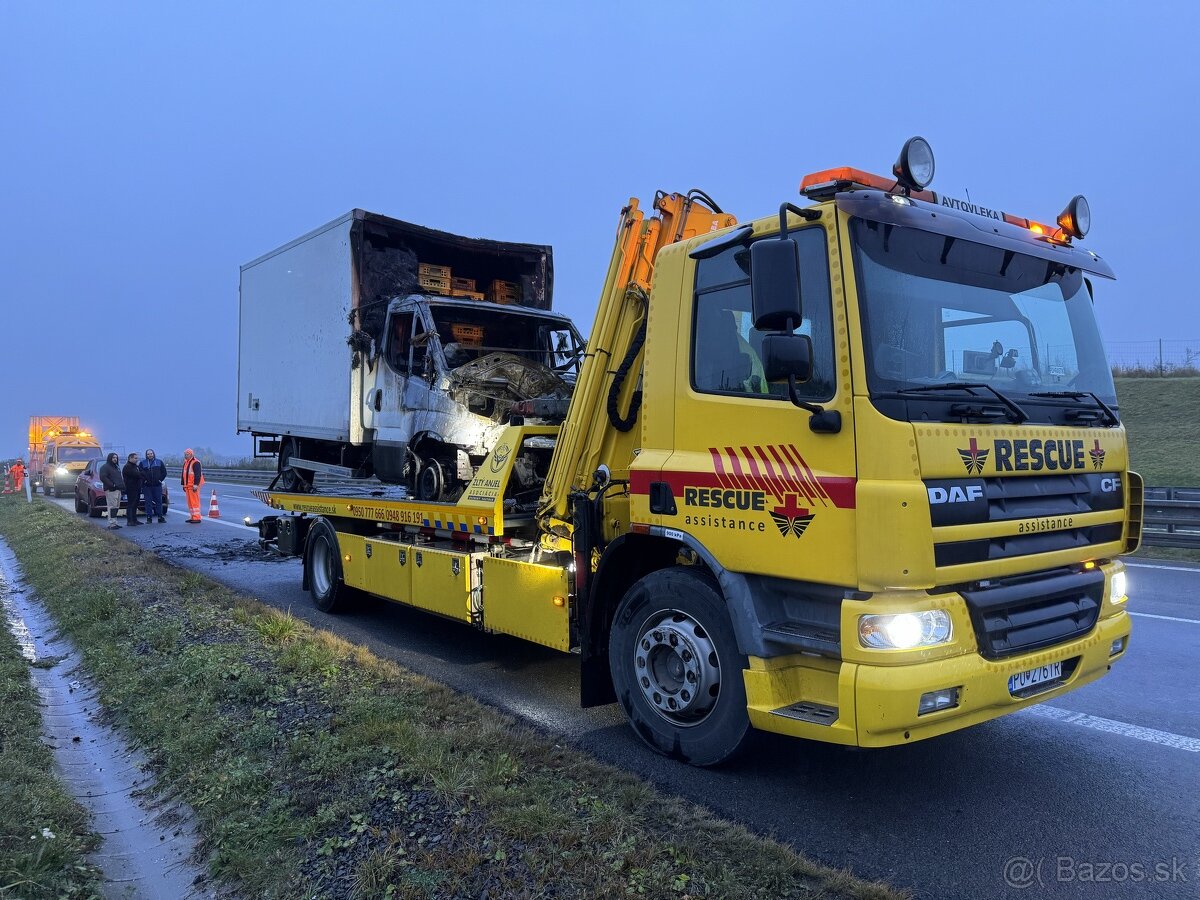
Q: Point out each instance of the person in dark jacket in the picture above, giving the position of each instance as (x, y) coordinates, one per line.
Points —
(154, 473)
(113, 483)
(133, 488)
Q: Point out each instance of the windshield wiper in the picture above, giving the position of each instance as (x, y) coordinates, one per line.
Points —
(1016, 414)
(1106, 411)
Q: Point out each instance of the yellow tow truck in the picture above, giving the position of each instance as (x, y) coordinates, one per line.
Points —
(853, 472)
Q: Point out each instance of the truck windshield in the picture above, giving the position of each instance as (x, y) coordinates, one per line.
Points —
(467, 334)
(75, 454)
(946, 310)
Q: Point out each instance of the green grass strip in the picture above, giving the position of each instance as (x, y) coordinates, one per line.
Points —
(44, 833)
(317, 769)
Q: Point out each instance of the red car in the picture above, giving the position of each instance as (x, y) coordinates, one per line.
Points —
(89, 493)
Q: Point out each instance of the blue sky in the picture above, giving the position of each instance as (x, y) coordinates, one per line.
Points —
(150, 149)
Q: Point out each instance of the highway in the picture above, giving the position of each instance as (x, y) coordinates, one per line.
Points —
(1093, 795)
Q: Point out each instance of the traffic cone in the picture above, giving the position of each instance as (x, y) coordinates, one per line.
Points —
(213, 511)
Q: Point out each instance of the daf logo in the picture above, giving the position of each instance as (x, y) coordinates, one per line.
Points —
(956, 494)
(1110, 483)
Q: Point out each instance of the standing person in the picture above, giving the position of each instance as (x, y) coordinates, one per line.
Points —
(154, 473)
(113, 483)
(133, 488)
(192, 480)
(18, 475)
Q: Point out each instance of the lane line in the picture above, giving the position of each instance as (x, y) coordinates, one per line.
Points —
(1167, 618)
(237, 525)
(1124, 729)
(1137, 565)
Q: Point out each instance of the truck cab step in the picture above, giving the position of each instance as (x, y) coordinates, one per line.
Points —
(807, 711)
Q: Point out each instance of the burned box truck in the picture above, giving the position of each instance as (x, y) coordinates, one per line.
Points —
(374, 347)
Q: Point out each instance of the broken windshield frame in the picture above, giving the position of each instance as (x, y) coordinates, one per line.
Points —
(940, 310)
(470, 332)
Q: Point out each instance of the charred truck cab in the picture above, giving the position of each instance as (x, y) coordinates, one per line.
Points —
(852, 472)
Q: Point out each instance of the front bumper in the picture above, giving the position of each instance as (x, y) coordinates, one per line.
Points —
(876, 705)
(886, 697)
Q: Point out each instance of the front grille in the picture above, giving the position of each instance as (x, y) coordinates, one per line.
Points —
(1018, 615)
(958, 553)
(961, 501)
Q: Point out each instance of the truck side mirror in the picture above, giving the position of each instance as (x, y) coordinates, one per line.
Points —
(787, 356)
(775, 285)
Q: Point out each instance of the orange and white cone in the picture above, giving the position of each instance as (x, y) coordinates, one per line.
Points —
(213, 511)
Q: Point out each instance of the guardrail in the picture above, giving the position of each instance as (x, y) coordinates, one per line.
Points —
(1171, 514)
(1171, 517)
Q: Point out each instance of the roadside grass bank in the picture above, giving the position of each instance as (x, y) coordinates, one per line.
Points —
(1163, 429)
(44, 833)
(317, 769)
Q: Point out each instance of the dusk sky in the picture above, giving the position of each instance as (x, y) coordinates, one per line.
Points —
(151, 149)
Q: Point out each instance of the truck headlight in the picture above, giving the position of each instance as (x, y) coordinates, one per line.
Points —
(905, 631)
(1116, 588)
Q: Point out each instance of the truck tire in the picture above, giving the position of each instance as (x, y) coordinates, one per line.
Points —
(323, 564)
(677, 669)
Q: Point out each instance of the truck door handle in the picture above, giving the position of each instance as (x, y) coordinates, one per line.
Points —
(377, 399)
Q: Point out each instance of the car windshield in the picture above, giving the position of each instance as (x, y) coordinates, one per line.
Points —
(467, 334)
(944, 310)
(75, 454)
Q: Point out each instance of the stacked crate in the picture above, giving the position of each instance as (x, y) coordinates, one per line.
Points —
(434, 278)
(464, 287)
(504, 292)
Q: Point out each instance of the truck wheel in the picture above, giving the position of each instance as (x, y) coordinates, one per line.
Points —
(324, 565)
(430, 481)
(677, 669)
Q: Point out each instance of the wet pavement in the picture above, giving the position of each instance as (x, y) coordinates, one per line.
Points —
(1093, 796)
(147, 846)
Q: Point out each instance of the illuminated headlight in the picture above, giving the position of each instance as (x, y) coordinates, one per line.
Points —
(1116, 588)
(62, 470)
(905, 630)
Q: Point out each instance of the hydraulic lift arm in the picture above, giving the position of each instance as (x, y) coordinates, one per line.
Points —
(604, 406)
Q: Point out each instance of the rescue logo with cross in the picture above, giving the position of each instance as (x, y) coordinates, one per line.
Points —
(1097, 455)
(791, 517)
(973, 458)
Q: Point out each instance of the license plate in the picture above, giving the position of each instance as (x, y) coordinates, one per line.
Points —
(1024, 680)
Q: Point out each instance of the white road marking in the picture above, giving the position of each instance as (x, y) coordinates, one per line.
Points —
(215, 521)
(1137, 565)
(1166, 618)
(1124, 729)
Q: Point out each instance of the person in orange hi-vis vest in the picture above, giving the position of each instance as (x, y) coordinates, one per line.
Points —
(192, 480)
(18, 474)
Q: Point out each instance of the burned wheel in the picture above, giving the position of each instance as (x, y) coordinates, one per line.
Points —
(677, 669)
(431, 480)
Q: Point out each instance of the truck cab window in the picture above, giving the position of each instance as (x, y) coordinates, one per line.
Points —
(727, 349)
(398, 342)
(420, 348)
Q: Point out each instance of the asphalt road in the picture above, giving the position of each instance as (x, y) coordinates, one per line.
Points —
(1094, 795)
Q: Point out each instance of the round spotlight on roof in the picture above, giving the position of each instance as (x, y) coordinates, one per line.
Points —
(1076, 219)
(914, 168)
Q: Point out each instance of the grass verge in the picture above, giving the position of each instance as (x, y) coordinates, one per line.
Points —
(44, 833)
(1163, 429)
(318, 769)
